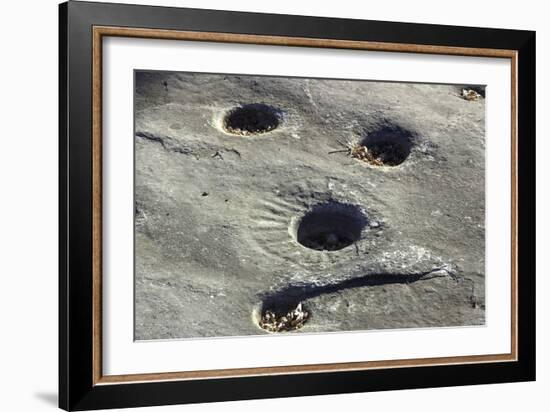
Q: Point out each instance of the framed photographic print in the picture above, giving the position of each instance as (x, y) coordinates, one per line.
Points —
(257, 205)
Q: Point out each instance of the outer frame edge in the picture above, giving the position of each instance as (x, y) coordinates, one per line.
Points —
(63, 376)
(106, 396)
(526, 224)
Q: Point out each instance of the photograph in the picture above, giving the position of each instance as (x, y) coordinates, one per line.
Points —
(272, 205)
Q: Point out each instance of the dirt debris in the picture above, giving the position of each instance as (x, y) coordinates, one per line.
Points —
(292, 320)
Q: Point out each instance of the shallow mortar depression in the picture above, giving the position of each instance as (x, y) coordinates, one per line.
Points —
(330, 226)
(251, 119)
(281, 318)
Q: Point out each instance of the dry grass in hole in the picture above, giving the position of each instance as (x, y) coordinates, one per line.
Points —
(387, 145)
(292, 320)
(381, 154)
(360, 152)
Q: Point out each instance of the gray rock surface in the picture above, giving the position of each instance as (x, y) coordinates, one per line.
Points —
(218, 215)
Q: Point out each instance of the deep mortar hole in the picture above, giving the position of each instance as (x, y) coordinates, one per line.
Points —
(330, 226)
(389, 145)
(251, 119)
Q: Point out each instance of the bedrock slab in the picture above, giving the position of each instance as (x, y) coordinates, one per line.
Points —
(220, 227)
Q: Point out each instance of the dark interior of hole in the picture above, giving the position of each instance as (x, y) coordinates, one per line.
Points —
(252, 119)
(388, 145)
(330, 227)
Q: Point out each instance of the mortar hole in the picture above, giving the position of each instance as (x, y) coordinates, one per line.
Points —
(478, 90)
(330, 226)
(277, 320)
(251, 119)
(386, 146)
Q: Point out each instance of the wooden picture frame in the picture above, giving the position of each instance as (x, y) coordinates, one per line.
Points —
(82, 384)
